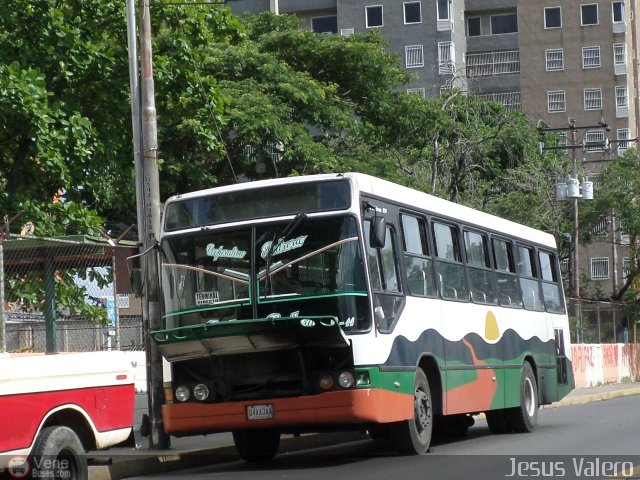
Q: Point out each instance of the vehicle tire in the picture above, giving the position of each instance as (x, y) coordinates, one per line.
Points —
(523, 419)
(498, 421)
(257, 445)
(58, 453)
(414, 436)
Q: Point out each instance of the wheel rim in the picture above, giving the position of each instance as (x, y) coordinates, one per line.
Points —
(529, 397)
(70, 462)
(422, 411)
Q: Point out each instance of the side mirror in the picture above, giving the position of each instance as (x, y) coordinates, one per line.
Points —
(378, 232)
(135, 278)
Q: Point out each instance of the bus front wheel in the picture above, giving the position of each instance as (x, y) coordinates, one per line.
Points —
(414, 436)
(257, 445)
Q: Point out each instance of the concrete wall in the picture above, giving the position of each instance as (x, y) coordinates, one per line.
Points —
(597, 364)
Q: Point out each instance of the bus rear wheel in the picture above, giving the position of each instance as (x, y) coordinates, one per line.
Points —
(414, 436)
(523, 419)
(257, 445)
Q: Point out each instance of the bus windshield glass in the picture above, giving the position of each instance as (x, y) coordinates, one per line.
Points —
(239, 205)
(315, 269)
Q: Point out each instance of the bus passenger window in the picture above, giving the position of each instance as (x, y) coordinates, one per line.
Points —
(529, 286)
(550, 283)
(506, 279)
(418, 266)
(480, 275)
(449, 267)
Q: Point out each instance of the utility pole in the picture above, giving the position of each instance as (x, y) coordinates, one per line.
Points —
(572, 189)
(148, 202)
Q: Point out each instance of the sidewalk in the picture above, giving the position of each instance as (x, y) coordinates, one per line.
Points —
(188, 452)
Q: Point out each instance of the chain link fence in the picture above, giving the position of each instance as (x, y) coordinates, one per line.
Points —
(67, 294)
(603, 322)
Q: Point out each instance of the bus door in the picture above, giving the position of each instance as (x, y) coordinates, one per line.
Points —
(473, 350)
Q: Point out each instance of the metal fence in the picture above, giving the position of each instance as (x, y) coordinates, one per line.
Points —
(66, 294)
(603, 322)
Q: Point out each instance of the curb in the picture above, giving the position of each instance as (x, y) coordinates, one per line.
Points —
(594, 397)
(147, 464)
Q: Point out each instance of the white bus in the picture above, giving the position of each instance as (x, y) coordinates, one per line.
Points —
(345, 301)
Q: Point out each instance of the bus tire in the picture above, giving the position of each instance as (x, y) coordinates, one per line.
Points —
(498, 421)
(256, 446)
(58, 453)
(523, 419)
(414, 436)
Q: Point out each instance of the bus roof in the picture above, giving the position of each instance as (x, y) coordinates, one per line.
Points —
(400, 194)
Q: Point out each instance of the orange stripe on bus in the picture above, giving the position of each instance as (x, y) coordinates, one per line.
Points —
(337, 407)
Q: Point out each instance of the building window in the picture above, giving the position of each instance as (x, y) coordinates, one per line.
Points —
(623, 135)
(593, 99)
(493, 63)
(509, 100)
(504, 24)
(373, 15)
(445, 58)
(622, 101)
(554, 59)
(617, 12)
(620, 58)
(412, 13)
(556, 101)
(552, 17)
(594, 141)
(414, 56)
(325, 24)
(590, 57)
(599, 268)
(473, 27)
(626, 267)
(562, 141)
(417, 91)
(589, 14)
(443, 9)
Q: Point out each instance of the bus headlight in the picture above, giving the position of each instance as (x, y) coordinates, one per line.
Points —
(346, 380)
(201, 392)
(325, 382)
(182, 393)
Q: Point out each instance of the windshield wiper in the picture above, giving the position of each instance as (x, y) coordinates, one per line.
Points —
(288, 230)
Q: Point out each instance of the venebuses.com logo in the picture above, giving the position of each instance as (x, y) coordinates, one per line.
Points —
(53, 468)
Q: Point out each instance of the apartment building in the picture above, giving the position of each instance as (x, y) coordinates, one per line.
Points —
(552, 59)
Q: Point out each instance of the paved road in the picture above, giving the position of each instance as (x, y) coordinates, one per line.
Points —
(570, 442)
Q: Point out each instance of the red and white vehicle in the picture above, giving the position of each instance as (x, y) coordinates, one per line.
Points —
(54, 408)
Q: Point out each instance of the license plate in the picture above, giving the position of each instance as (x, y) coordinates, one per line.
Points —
(260, 412)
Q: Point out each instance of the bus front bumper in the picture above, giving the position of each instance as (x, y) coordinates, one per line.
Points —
(329, 408)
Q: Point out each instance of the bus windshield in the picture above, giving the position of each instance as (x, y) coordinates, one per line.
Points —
(317, 268)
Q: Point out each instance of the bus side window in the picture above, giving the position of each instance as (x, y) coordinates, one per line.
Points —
(506, 278)
(480, 274)
(551, 289)
(418, 265)
(449, 267)
(529, 286)
(385, 283)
